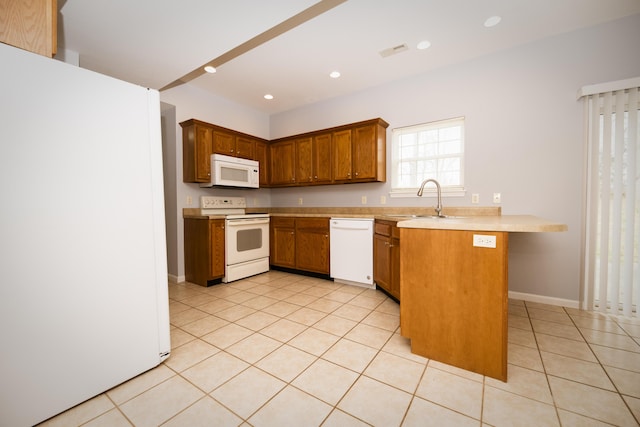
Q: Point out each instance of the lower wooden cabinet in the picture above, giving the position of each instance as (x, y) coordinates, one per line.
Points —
(204, 250)
(282, 242)
(386, 257)
(300, 243)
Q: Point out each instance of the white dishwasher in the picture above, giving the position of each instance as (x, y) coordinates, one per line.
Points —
(351, 244)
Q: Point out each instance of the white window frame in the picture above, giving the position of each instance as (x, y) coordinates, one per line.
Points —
(447, 190)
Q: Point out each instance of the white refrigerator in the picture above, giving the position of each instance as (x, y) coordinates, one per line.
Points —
(83, 270)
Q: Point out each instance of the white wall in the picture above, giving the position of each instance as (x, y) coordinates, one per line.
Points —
(524, 139)
(193, 103)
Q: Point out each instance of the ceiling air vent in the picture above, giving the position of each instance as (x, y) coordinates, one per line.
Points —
(393, 50)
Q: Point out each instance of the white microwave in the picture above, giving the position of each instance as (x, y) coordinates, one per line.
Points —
(227, 171)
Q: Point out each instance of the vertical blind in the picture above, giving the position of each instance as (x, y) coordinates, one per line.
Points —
(612, 275)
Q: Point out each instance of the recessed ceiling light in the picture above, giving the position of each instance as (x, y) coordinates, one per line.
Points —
(424, 44)
(492, 21)
(334, 74)
(268, 96)
(210, 69)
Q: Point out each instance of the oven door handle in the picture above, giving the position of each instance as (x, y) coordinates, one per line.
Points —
(243, 222)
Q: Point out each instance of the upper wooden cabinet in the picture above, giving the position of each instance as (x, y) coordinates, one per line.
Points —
(262, 156)
(30, 24)
(321, 159)
(201, 139)
(345, 154)
(283, 162)
(233, 144)
(360, 153)
(197, 140)
(342, 158)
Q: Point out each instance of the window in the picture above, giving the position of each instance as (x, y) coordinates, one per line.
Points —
(612, 254)
(430, 150)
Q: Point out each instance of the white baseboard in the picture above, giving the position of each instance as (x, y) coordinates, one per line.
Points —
(544, 300)
(176, 279)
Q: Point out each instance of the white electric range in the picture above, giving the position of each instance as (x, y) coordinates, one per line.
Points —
(246, 236)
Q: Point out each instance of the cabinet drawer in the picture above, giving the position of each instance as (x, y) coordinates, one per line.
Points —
(317, 224)
(282, 222)
(383, 228)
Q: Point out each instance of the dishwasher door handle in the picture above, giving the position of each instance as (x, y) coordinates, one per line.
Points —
(335, 226)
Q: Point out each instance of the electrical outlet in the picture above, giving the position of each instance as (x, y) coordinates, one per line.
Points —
(484, 241)
(383, 200)
(300, 201)
(189, 200)
(475, 198)
(497, 197)
(364, 200)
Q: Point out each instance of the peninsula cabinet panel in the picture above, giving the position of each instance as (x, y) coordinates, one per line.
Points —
(283, 160)
(203, 250)
(454, 299)
(197, 141)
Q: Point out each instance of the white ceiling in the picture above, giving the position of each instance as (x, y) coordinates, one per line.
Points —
(154, 43)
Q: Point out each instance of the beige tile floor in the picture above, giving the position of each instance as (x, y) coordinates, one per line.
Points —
(285, 350)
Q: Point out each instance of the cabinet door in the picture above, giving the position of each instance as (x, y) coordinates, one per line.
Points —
(283, 242)
(203, 153)
(196, 152)
(217, 260)
(282, 163)
(245, 147)
(342, 155)
(364, 153)
(262, 156)
(224, 143)
(312, 244)
(322, 158)
(304, 160)
(382, 261)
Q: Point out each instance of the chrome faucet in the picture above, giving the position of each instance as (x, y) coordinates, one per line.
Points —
(438, 208)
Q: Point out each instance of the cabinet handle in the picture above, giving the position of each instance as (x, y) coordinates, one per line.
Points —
(356, 173)
(232, 150)
(316, 177)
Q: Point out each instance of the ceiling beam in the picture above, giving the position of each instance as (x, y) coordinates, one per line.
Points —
(287, 25)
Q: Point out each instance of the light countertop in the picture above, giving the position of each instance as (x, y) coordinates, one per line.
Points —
(509, 223)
